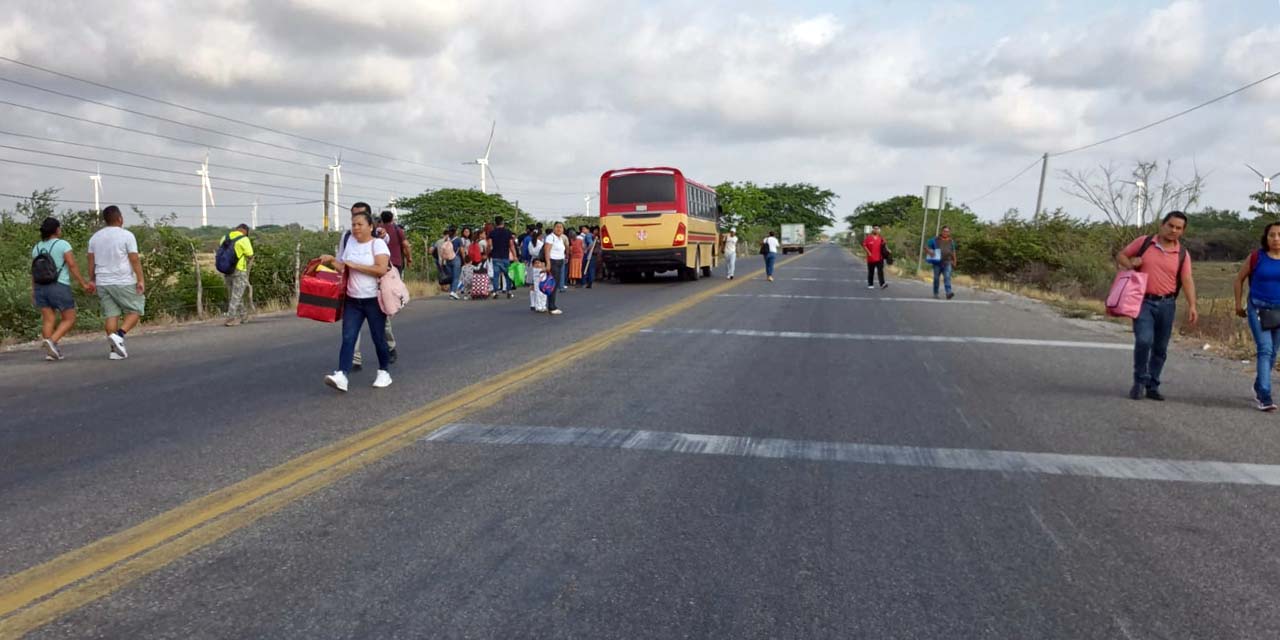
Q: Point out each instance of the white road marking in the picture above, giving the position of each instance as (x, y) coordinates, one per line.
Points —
(873, 337)
(1057, 464)
(814, 280)
(858, 298)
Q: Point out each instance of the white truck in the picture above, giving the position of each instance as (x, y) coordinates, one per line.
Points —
(792, 238)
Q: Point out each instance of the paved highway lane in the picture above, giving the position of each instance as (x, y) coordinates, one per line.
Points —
(819, 465)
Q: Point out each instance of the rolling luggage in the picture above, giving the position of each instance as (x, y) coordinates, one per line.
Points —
(321, 293)
(480, 286)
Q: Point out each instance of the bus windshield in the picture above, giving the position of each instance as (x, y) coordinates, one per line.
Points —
(641, 188)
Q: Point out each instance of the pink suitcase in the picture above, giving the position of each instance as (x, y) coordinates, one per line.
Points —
(1125, 299)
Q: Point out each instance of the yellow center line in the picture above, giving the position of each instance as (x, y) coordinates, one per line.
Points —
(48, 591)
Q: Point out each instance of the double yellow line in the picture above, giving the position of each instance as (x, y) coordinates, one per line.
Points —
(43, 593)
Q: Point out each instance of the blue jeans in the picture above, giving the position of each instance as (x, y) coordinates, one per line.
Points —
(354, 314)
(589, 269)
(1151, 331)
(769, 259)
(942, 269)
(1266, 342)
(455, 272)
(557, 272)
(501, 281)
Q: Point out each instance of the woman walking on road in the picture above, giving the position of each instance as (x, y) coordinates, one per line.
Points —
(53, 266)
(731, 251)
(1262, 270)
(577, 251)
(557, 248)
(769, 249)
(364, 259)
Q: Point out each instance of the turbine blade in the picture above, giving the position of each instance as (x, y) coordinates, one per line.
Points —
(490, 145)
(1273, 177)
(495, 178)
(1255, 171)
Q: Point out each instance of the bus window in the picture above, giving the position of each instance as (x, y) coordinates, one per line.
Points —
(641, 188)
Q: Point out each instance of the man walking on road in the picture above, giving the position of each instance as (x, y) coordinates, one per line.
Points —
(238, 280)
(1168, 267)
(873, 245)
(116, 270)
(731, 251)
(396, 241)
(502, 246)
(942, 256)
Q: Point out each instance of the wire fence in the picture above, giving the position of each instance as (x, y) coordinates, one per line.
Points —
(178, 268)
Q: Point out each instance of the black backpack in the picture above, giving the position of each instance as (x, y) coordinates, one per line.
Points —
(225, 260)
(43, 268)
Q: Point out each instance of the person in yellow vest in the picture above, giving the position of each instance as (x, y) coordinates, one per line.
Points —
(238, 280)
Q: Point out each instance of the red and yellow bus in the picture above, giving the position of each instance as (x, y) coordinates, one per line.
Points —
(653, 220)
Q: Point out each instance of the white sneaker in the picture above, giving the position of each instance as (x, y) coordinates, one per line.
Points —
(383, 380)
(114, 356)
(337, 380)
(51, 349)
(117, 345)
(453, 294)
(871, 286)
(556, 312)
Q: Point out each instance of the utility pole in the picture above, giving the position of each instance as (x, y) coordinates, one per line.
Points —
(1044, 171)
(324, 220)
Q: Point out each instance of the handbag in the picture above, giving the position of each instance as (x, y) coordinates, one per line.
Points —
(1127, 291)
(1268, 317)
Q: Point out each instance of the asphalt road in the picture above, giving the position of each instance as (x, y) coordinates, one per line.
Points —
(779, 461)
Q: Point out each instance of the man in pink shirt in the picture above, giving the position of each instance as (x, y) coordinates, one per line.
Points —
(1168, 268)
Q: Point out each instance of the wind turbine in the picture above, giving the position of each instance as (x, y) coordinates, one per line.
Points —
(97, 189)
(206, 191)
(1141, 196)
(336, 170)
(1266, 185)
(484, 162)
(587, 201)
(253, 217)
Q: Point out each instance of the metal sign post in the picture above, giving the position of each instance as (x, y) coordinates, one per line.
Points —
(934, 197)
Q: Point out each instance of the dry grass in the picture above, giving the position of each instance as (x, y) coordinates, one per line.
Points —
(1219, 327)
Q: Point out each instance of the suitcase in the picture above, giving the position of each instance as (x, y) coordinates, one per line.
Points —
(480, 285)
(321, 294)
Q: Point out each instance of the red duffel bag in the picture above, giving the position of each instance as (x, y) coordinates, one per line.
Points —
(321, 294)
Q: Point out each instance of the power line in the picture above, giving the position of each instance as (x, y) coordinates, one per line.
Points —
(1006, 182)
(193, 143)
(1168, 118)
(176, 159)
(230, 119)
(14, 196)
(152, 180)
(145, 168)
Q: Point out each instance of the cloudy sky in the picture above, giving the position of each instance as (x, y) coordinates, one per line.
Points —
(870, 99)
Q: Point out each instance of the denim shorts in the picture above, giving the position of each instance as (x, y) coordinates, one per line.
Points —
(56, 296)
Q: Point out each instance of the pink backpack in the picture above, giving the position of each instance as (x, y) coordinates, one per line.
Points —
(393, 295)
(1127, 291)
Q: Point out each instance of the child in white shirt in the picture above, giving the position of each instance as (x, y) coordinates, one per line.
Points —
(537, 299)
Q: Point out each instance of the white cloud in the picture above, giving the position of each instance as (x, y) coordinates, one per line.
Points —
(867, 108)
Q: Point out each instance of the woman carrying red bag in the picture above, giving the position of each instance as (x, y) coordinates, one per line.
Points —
(363, 259)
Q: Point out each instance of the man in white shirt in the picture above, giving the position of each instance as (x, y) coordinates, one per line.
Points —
(115, 268)
(731, 250)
